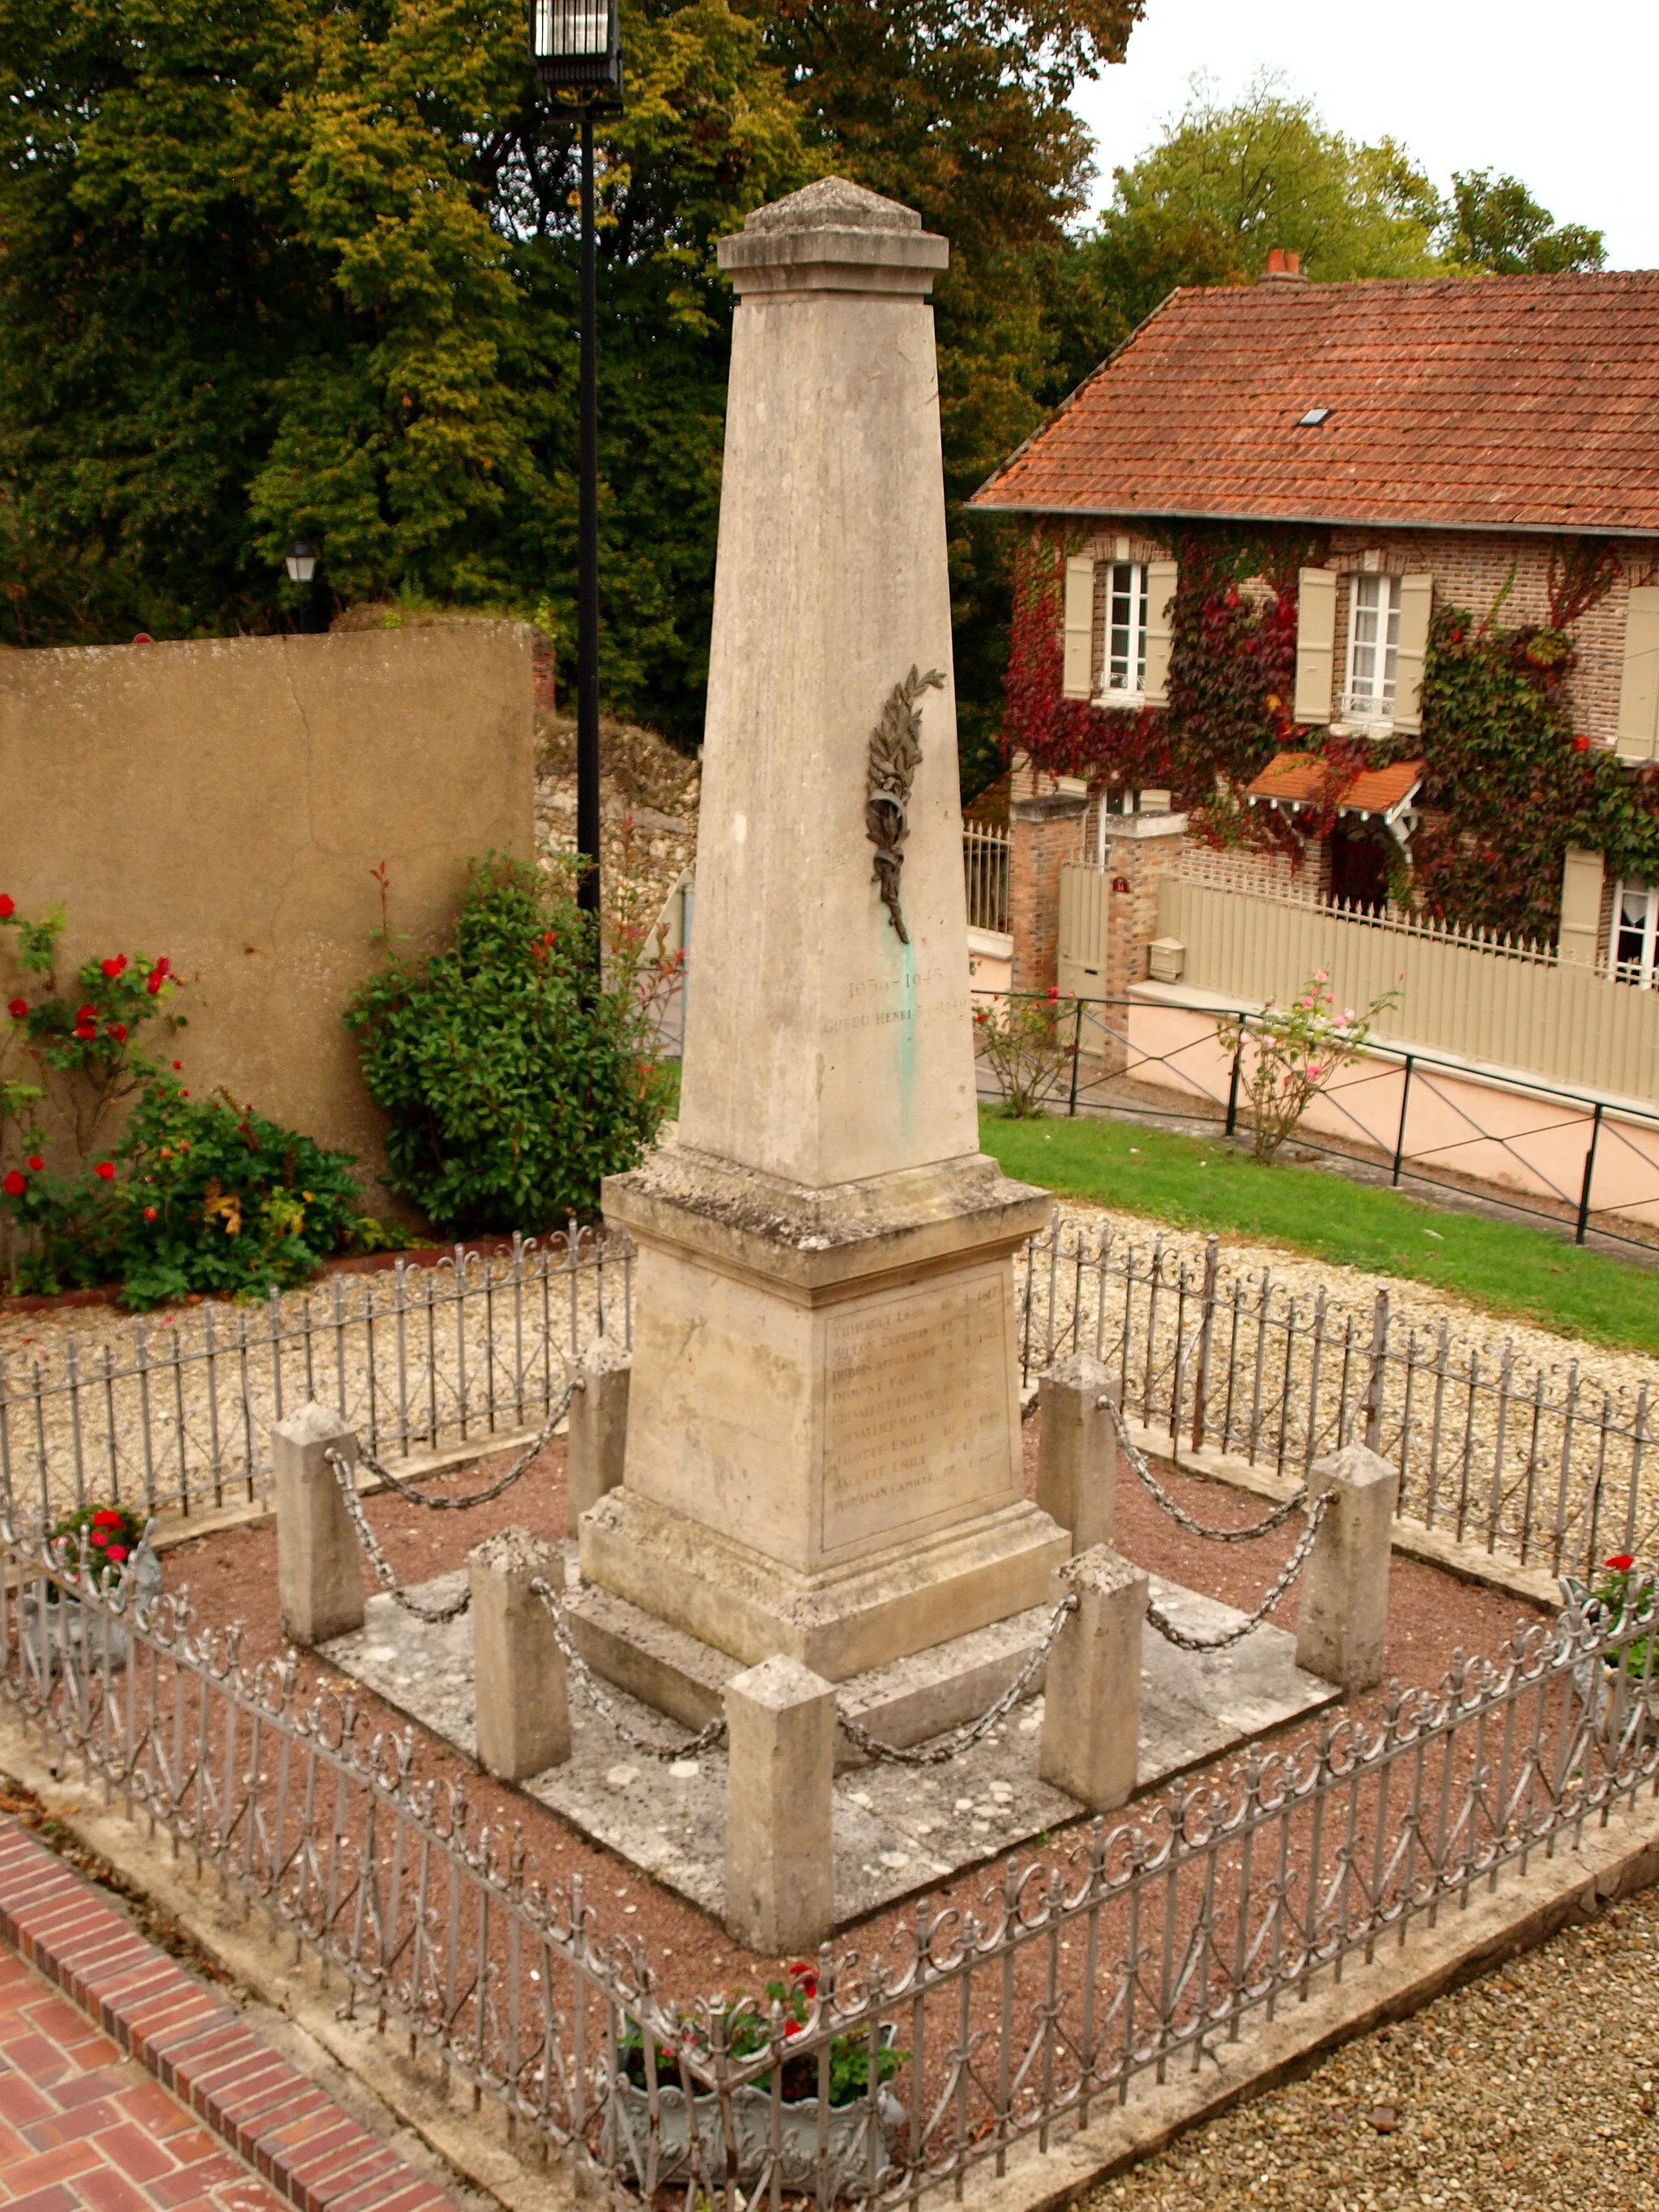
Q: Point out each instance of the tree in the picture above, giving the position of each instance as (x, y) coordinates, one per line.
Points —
(1496, 224)
(306, 268)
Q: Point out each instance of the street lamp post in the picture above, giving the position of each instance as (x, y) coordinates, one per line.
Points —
(578, 56)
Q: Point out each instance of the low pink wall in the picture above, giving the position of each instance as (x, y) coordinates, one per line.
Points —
(1532, 1145)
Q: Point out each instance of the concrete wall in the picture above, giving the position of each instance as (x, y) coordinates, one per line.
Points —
(223, 803)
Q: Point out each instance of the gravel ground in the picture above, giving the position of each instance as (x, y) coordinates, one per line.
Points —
(1528, 2091)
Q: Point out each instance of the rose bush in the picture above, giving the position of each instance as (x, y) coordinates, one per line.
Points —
(1288, 1055)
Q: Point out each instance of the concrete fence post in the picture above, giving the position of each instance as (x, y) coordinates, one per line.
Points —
(1343, 1620)
(1090, 1742)
(1077, 1450)
(598, 1427)
(522, 1697)
(319, 1578)
(780, 1862)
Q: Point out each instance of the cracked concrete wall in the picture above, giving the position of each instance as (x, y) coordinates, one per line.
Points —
(223, 803)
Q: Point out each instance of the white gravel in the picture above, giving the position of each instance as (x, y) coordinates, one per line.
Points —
(1533, 2090)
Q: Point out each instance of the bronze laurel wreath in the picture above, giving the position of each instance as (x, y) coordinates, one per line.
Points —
(894, 754)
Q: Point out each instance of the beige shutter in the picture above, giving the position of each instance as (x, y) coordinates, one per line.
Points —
(1416, 605)
(1638, 696)
(1316, 644)
(1160, 622)
(1581, 908)
(1079, 667)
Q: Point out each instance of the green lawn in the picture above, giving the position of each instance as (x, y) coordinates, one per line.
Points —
(1502, 1265)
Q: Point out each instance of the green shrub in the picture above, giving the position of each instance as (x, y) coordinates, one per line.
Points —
(197, 1196)
(513, 1081)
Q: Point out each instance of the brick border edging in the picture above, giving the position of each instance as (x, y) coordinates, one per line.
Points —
(273, 2116)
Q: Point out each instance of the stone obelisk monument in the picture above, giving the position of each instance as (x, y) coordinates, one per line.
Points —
(824, 1449)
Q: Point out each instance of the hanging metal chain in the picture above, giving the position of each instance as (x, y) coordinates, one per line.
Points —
(1276, 1519)
(531, 1453)
(1287, 1574)
(963, 1739)
(704, 1740)
(345, 1475)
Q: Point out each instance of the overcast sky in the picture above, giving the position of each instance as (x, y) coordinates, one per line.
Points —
(1562, 96)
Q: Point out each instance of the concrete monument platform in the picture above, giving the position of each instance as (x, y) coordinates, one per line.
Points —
(897, 1829)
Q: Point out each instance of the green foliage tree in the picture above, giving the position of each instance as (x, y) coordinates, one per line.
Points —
(301, 267)
(1225, 183)
(1495, 223)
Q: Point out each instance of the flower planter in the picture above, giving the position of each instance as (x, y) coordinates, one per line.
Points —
(848, 2146)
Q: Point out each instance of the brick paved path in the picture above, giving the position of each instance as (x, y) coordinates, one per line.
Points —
(170, 2103)
(80, 2125)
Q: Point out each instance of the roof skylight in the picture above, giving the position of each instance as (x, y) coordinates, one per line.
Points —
(1313, 418)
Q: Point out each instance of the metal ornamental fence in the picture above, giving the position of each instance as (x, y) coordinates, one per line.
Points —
(173, 1412)
(1535, 1465)
(949, 2038)
(1522, 1462)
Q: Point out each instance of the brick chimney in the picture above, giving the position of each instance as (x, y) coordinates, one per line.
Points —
(1283, 267)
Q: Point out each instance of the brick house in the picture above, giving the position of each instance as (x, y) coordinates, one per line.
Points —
(1487, 444)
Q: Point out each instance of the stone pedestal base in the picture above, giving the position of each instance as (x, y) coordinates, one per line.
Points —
(838, 1623)
(823, 1453)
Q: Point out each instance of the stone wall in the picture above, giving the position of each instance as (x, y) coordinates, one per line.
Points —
(223, 803)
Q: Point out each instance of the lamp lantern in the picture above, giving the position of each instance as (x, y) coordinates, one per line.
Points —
(575, 48)
(300, 563)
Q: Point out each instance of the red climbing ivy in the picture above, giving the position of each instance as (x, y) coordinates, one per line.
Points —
(1508, 786)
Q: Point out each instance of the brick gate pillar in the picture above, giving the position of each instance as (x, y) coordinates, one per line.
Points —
(1044, 830)
(1141, 849)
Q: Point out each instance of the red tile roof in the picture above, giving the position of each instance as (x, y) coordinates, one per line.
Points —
(1501, 403)
(1301, 780)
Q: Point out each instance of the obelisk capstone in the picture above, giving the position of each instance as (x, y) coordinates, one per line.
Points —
(823, 1453)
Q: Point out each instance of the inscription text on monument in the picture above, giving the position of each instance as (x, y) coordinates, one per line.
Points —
(917, 1416)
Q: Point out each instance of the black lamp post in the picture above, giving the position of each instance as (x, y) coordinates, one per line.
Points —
(300, 563)
(578, 56)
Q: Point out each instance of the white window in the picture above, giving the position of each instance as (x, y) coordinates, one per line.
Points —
(1635, 915)
(1373, 649)
(1124, 674)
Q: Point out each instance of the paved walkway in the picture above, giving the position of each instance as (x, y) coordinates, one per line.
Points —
(81, 2125)
(170, 2102)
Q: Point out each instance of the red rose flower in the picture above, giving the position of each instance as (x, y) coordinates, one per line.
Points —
(177, 1064)
(105, 1171)
(113, 966)
(118, 1552)
(149, 1214)
(119, 1031)
(87, 1013)
(1621, 1562)
(99, 1535)
(17, 1008)
(1581, 744)
(16, 1183)
(84, 1030)
(106, 1518)
(36, 1162)
(8, 907)
(153, 985)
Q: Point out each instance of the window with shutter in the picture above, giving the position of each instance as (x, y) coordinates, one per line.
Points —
(1416, 598)
(1316, 644)
(1077, 679)
(1638, 696)
(1161, 577)
(1580, 938)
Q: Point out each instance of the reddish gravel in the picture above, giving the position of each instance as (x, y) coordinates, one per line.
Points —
(232, 1576)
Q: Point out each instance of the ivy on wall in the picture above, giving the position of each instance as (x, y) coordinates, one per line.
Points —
(1508, 786)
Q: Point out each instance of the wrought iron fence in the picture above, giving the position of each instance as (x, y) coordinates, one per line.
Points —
(944, 2040)
(1521, 1461)
(173, 1412)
